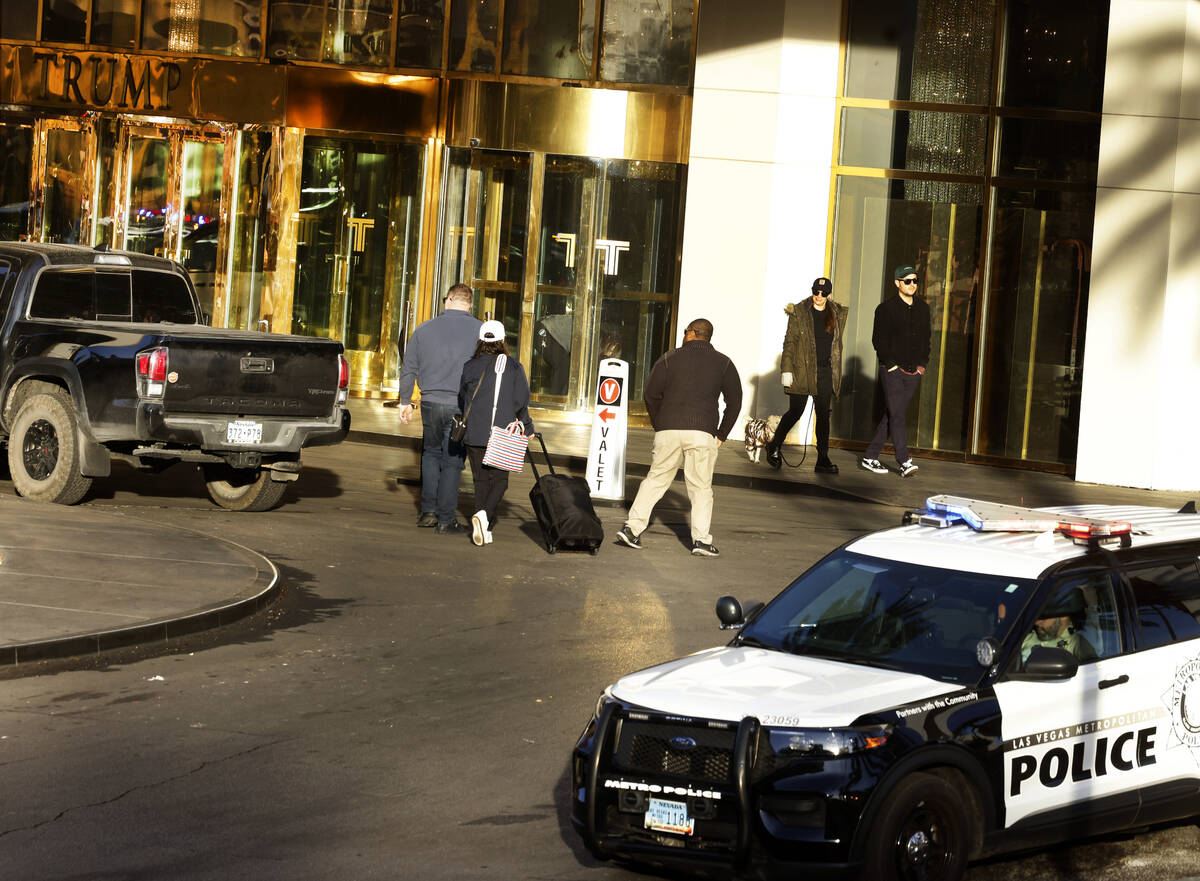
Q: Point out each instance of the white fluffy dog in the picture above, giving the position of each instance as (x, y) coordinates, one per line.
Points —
(759, 433)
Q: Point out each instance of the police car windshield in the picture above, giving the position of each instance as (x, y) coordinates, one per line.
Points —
(889, 614)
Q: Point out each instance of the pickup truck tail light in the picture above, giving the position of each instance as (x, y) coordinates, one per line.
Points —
(151, 365)
(343, 379)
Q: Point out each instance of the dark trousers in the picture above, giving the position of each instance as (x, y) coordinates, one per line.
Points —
(898, 388)
(441, 462)
(823, 403)
(490, 484)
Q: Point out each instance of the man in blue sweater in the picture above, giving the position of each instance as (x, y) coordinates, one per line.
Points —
(434, 359)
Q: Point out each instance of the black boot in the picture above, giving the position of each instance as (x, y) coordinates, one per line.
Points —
(824, 465)
(774, 455)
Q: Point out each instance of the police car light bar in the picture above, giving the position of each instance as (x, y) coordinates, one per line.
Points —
(945, 510)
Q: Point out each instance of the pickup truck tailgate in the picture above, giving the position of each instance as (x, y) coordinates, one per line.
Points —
(251, 374)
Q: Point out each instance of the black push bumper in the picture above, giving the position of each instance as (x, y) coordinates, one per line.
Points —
(736, 840)
(208, 432)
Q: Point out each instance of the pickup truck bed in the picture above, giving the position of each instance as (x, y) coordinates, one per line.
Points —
(102, 354)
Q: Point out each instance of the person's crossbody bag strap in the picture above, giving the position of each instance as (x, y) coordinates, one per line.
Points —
(501, 360)
(458, 424)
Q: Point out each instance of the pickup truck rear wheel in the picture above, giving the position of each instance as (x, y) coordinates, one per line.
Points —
(43, 451)
(242, 489)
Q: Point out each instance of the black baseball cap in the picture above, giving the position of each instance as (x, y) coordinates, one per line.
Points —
(822, 286)
(904, 270)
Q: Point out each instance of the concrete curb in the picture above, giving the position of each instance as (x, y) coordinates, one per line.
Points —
(260, 594)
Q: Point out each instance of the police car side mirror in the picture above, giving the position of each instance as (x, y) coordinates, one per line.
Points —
(729, 613)
(1050, 663)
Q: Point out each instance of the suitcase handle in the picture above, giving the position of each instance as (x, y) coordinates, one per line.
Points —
(545, 453)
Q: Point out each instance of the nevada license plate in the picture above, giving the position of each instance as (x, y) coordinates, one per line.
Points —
(669, 816)
(243, 431)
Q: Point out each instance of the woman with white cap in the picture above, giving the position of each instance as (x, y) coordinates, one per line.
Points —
(493, 391)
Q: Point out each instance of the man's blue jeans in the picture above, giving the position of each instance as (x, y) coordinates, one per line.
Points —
(441, 462)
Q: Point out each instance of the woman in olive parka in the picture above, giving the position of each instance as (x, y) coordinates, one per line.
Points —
(811, 367)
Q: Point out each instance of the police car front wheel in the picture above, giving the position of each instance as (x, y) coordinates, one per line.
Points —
(922, 833)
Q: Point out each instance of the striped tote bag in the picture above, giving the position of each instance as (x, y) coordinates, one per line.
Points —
(506, 447)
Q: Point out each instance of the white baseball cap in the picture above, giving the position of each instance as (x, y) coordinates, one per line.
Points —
(491, 331)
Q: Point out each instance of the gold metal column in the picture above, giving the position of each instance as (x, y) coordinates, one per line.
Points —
(941, 370)
(1037, 302)
(287, 147)
(533, 232)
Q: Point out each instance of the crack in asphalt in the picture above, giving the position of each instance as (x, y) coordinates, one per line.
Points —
(133, 789)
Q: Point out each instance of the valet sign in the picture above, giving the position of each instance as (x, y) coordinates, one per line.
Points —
(610, 427)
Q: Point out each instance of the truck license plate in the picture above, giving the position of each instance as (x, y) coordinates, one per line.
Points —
(669, 816)
(243, 431)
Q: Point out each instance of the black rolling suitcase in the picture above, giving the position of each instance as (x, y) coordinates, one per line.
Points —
(563, 506)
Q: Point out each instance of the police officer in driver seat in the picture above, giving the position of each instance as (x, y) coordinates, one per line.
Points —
(1057, 626)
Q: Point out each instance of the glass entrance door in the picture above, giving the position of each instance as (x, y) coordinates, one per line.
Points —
(65, 182)
(605, 254)
(171, 201)
(484, 240)
(357, 234)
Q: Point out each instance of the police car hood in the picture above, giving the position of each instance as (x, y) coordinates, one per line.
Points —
(775, 687)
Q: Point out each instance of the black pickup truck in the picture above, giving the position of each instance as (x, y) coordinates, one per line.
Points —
(106, 354)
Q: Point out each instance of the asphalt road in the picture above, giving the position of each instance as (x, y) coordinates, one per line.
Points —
(407, 709)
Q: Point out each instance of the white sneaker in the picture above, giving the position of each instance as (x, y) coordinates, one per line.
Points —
(479, 529)
(907, 468)
(487, 537)
(872, 465)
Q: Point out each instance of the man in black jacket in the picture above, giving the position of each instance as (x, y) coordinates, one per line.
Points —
(901, 340)
(682, 396)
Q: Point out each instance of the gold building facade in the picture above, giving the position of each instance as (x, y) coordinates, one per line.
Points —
(330, 169)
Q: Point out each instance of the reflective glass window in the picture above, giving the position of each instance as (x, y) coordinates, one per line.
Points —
(473, 35)
(1048, 149)
(65, 186)
(561, 314)
(1055, 54)
(161, 296)
(18, 19)
(636, 254)
(419, 33)
(145, 224)
(63, 294)
(208, 27)
(113, 296)
(114, 22)
(251, 205)
(297, 29)
(647, 41)
(358, 32)
(16, 146)
(1168, 601)
(203, 164)
(64, 21)
(946, 143)
(930, 50)
(549, 39)
(937, 227)
(1036, 316)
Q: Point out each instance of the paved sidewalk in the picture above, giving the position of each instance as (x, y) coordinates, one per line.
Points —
(376, 422)
(77, 581)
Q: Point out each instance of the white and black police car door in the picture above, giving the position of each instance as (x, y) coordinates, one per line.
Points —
(1092, 736)
(1165, 672)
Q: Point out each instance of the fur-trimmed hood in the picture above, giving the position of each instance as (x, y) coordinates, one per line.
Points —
(791, 308)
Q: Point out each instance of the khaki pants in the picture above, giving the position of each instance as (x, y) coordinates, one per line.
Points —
(698, 452)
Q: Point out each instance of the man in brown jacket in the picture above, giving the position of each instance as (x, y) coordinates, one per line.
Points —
(682, 396)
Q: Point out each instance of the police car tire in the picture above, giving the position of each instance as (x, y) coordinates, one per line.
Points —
(922, 831)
